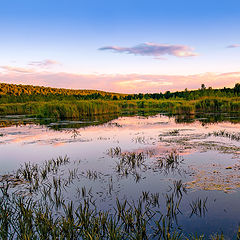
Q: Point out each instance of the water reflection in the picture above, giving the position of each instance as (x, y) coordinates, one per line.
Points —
(204, 118)
(132, 157)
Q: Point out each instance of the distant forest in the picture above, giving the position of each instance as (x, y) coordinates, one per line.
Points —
(10, 93)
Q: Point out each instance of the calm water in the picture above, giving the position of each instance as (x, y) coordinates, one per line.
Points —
(209, 165)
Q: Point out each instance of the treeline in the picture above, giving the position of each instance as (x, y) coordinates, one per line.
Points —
(27, 93)
(12, 93)
(190, 94)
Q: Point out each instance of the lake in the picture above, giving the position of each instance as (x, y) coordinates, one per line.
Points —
(138, 157)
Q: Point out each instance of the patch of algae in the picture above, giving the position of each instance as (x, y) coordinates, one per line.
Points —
(219, 178)
(200, 142)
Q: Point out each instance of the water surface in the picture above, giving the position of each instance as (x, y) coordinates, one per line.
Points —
(208, 162)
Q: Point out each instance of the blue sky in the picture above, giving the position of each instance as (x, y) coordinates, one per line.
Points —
(57, 43)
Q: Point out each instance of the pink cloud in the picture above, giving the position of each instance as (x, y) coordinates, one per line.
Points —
(125, 83)
(233, 46)
(35, 65)
(154, 49)
(45, 63)
(17, 69)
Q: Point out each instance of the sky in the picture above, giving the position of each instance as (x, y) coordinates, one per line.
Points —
(123, 46)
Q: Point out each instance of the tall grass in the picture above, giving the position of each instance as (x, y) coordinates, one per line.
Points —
(218, 105)
(78, 109)
(19, 108)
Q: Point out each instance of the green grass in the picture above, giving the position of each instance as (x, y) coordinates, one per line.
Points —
(78, 109)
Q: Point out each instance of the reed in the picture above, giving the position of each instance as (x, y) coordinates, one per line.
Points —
(224, 133)
(199, 207)
(53, 216)
(79, 108)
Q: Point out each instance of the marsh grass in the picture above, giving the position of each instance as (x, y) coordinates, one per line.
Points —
(224, 133)
(130, 163)
(198, 207)
(54, 216)
(174, 132)
(170, 162)
(135, 163)
(76, 109)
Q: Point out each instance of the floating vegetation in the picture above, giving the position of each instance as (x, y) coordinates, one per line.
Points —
(224, 133)
(174, 132)
(200, 142)
(221, 179)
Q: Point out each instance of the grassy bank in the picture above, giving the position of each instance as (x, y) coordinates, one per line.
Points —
(78, 109)
(59, 109)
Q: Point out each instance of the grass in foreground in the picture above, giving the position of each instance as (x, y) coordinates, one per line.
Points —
(42, 212)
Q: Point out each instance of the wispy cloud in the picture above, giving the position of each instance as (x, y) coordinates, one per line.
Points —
(154, 49)
(17, 69)
(233, 46)
(31, 67)
(44, 64)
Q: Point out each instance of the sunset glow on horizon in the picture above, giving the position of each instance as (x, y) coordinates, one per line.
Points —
(120, 46)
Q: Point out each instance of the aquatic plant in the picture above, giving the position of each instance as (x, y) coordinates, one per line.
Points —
(169, 162)
(44, 210)
(198, 207)
(224, 133)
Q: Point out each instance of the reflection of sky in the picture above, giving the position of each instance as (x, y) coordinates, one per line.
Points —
(37, 143)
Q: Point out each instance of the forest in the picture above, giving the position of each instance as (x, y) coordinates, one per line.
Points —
(62, 103)
(25, 93)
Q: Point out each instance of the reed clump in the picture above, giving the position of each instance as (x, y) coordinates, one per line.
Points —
(76, 110)
(169, 162)
(224, 133)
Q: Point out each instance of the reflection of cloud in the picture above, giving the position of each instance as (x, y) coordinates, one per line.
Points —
(125, 83)
(233, 46)
(45, 63)
(154, 49)
(57, 144)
